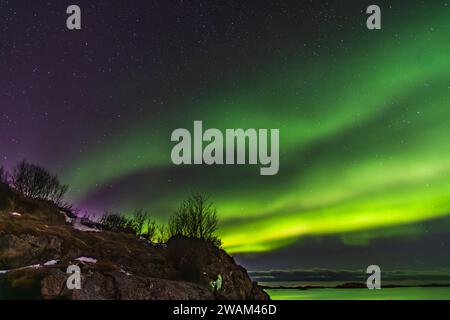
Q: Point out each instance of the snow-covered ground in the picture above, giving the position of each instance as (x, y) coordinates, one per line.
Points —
(86, 260)
(77, 225)
(68, 220)
(126, 273)
(81, 227)
(34, 266)
(51, 263)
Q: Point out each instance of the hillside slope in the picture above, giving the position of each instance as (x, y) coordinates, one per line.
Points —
(37, 244)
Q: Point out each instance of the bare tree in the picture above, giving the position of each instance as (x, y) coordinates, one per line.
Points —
(3, 176)
(162, 234)
(150, 230)
(140, 218)
(117, 223)
(36, 182)
(141, 224)
(196, 218)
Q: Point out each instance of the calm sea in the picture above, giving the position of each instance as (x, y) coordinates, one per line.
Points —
(412, 293)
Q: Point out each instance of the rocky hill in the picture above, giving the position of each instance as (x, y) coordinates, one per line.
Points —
(38, 242)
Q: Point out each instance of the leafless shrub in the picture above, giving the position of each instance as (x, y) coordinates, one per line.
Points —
(36, 182)
(195, 218)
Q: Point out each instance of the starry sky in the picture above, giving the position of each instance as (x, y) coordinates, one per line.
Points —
(364, 119)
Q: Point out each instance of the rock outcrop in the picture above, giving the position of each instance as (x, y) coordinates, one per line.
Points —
(37, 245)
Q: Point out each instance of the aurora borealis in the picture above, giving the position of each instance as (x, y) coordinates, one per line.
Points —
(364, 117)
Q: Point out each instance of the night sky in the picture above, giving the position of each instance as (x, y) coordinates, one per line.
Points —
(364, 119)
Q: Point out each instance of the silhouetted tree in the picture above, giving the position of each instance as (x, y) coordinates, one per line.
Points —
(150, 230)
(162, 234)
(196, 218)
(139, 220)
(117, 222)
(36, 182)
(140, 224)
(3, 176)
(6, 195)
(143, 224)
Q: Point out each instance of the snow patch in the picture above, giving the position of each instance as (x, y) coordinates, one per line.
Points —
(81, 227)
(77, 225)
(51, 263)
(68, 220)
(86, 260)
(126, 273)
(34, 266)
(16, 214)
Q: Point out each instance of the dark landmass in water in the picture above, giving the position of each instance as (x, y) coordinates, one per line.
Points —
(352, 285)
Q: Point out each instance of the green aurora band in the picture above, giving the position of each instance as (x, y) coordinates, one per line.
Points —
(364, 142)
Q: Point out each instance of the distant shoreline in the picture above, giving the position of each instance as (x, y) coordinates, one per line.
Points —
(353, 285)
